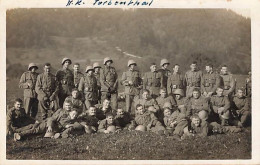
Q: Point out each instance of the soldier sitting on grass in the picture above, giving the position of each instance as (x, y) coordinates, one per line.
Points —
(103, 109)
(146, 120)
(77, 103)
(90, 121)
(62, 120)
(123, 119)
(16, 118)
(108, 125)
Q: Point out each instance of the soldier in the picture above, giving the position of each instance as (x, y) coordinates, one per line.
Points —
(65, 79)
(103, 109)
(88, 86)
(77, 103)
(153, 81)
(176, 80)
(209, 82)
(248, 85)
(165, 72)
(96, 68)
(228, 81)
(77, 74)
(147, 102)
(27, 82)
(193, 79)
(181, 101)
(132, 81)
(198, 104)
(221, 105)
(240, 107)
(109, 83)
(47, 89)
(16, 118)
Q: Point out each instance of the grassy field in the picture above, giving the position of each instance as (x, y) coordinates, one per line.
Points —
(128, 145)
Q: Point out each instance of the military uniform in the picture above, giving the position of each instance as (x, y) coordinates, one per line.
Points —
(220, 101)
(88, 85)
(195, 106)
(77, 76)
(165, 75)
(149, 118)
(97, 76)
(47, 89)
(147, 103)
(131, 90)
(241, 108)
(229, 84)
(109, 85)
(248, 86)
(160, 100)
(123, 121)
(16, 119)
(179, 119)
(193, 80)
(103, 125)
(77, 104)
(30, 96)
(153, 81)
(101, 112)
(202, 130)
(210, 82)
(175, 81)
(181, 104)
(65, 80)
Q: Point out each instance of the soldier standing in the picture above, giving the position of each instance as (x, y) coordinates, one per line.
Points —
(132, 81)
(193, 79)
(228, 82)
(210, 81)
(175, 81)
(153, 81)
(77, 74)
(96, 68)
(47, 89)
(88, 86)
(165, 72)
(65, 79)
(109, 83)
(27, 82)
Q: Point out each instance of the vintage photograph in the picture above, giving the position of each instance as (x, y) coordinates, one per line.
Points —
(128, 84)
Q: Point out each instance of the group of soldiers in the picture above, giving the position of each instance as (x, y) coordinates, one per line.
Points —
(205, 96)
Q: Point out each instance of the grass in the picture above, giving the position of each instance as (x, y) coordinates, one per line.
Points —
(128, 145)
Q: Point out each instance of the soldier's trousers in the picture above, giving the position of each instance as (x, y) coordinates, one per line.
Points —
(71, 130)
(31, 106)
(36, 129)
(244, 117)
(217, 128)
(129, 100)
(113, 99)
(178, 130)
(44, 106)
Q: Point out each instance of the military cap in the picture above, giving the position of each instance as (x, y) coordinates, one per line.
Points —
(164, 61)
(178, 92)
(131, 62)
(65, 59)
(96, 65)
(89, 68)
(32, 65)
(107, 59)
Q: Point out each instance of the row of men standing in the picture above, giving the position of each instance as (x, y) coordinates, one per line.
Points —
(47, 91)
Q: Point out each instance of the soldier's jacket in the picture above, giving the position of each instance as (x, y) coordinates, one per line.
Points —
(161, 101)
(219, 101)
(65, 79)
(108, 79)
(77, 104)
(88, 85)
(210, 82)
(31, 78)
(97, 76)
(101, 114)
(181, 101)
(197, 105)
(175, 81)
(153, 81)
(202, 130)
(61, 117)
(90, 121)
(124, 120)
(46, 85)
(147, 118)
(175, 116)
(165, 75)
(193, 78)
(241, 104)
(17, 119)
(135, 78)
(77, 76)
(147, 103)
(228, 82)
(103, 125)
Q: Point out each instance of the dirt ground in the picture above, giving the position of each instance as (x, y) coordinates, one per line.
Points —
(127, 145)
